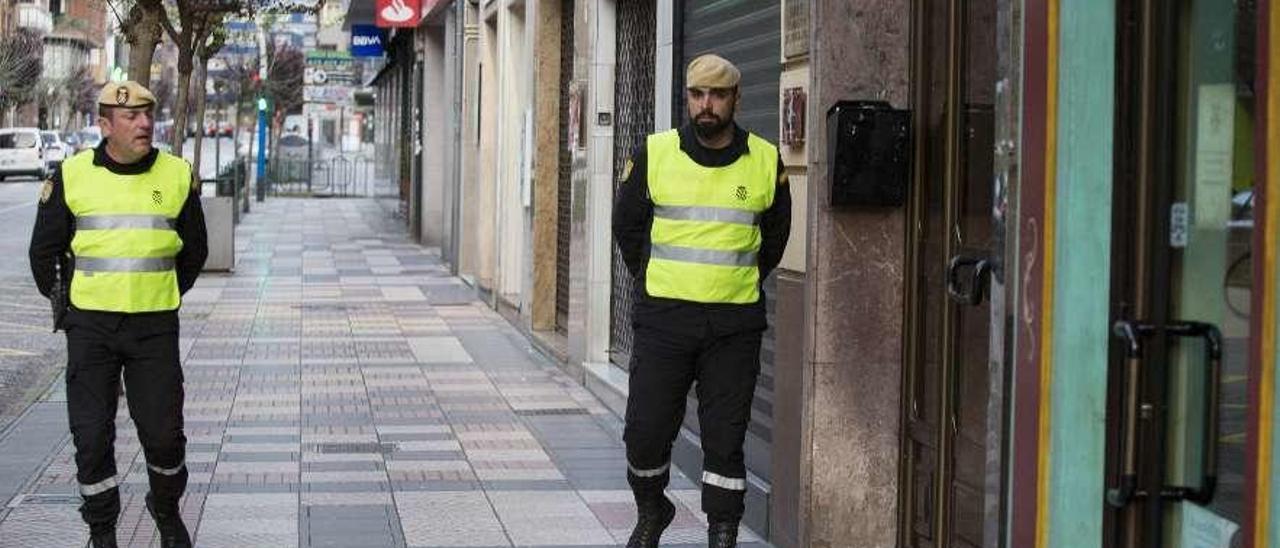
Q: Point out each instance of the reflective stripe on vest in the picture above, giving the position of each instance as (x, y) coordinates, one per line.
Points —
(118, 264)
(705, 238)
(117, 222)
(125, 244)
(720, 214)
(703, 256)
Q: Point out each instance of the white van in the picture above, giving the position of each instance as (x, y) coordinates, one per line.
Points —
(55, 150)
(21, 152)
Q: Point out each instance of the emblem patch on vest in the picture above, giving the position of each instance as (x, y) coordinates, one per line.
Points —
(742, 193)
(156, 197)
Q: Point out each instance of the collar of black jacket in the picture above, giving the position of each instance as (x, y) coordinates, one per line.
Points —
(102, 159)
(710, 156)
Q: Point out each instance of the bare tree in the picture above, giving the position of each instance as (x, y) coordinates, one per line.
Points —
(241, 79)
(286, 66)
(20, 69)
(163, 90)
(188, 24)
(142, 30)
(205, 51)
(80, 93)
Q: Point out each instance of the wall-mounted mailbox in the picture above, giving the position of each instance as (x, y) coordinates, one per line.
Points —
(869, 153)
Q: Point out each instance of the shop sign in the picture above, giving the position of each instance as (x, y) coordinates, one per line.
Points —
(329, 94)
(329, 68)
(367, 41)
(398, 13)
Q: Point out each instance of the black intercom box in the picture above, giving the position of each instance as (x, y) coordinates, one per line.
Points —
(869, 153)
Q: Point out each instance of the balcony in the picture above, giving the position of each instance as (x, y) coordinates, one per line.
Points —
(35, 17)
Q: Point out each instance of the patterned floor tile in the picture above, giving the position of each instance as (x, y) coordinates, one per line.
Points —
(343, 390)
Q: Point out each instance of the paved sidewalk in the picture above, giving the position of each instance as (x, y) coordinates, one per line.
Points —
(344, 391)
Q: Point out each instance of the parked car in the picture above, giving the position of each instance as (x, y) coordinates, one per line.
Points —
(55, 151)
(21, 152)
(72, 140)
(293, 147)
(90, 137)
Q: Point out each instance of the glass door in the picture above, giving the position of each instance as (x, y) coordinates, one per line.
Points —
(1182, 286)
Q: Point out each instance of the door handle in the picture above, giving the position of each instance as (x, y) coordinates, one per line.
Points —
(1133, 334)
(1212, 337)
(980, 273)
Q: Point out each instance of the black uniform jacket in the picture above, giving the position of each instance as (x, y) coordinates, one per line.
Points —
(633, 218)
(55, 226)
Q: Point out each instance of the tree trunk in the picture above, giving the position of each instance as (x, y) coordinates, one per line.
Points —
(143, 35)
(202, 74)
(185, 66)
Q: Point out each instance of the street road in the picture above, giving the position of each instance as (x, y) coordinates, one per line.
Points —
(30, 354)
(209, 154)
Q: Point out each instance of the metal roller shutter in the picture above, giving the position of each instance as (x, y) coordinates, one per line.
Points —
(633, 120)
(564, 189)
(748, 33)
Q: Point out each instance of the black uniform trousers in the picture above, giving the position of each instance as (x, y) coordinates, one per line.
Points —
(664, 364)
(98, 349)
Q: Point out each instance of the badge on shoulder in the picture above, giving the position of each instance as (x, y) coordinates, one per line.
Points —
(46, 190)
(626, 170)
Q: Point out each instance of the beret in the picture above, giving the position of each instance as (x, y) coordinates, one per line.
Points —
(125, 94)
(711, 71)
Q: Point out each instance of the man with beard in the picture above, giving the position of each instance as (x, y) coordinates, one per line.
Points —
(120, 229)
(701, 219)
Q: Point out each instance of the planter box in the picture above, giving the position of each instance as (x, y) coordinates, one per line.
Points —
(219, 222)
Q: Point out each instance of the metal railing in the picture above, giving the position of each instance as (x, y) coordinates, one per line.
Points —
(339, 176)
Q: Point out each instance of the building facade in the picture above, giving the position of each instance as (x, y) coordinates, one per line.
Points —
(1053, 323)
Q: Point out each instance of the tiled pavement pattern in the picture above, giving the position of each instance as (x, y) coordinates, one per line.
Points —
(344, 391)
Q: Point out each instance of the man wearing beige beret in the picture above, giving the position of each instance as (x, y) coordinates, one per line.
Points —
(701, 219)
(119, 237)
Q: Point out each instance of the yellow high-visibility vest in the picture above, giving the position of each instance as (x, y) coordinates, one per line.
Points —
(125, 243)
(705, 238)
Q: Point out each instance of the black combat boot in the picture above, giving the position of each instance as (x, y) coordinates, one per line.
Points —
(653, 517)
(722, 534)
(173, 533)
(105, 539)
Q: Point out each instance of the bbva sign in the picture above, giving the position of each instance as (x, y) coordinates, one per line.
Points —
(367, 41)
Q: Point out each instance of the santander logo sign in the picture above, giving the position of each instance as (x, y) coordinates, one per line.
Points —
(398, 13)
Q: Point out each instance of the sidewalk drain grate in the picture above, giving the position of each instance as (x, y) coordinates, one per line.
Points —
(559, 411)
(355, 447)
(34, 498)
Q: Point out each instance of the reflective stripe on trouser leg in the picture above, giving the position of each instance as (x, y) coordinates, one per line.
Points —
(651, 473)
(91, 489)
(732, 484)
(167, 471)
